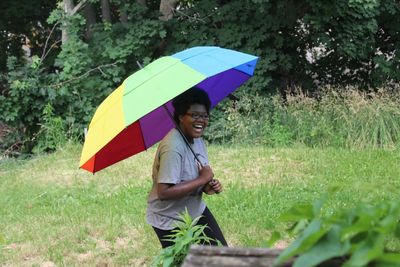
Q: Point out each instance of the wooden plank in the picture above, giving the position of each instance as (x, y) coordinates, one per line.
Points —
(202, 256)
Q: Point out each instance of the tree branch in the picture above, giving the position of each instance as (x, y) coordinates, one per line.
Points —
(44, 54)
(78, 6)
(51, 47)
(191, 18)
(85, 74)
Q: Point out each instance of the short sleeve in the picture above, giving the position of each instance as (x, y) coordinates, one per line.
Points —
(170, 167)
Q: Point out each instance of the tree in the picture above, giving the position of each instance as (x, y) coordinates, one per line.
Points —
(300, 43)
(105, 11)
(23, 23)
(167, 8)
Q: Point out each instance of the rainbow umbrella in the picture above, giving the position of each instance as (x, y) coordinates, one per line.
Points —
(133, 117)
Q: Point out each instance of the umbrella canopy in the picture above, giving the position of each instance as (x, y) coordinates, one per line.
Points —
(132, 118)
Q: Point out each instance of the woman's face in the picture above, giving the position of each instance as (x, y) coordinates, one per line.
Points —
(194, 122)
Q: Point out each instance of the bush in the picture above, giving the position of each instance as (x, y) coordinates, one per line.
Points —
(358, 236)
(336, 117)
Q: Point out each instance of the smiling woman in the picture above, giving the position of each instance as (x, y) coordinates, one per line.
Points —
(181, 171)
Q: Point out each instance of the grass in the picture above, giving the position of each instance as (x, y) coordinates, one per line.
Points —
(337, 117)
(53, 213)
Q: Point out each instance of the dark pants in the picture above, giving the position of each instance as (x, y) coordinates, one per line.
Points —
(212, 231)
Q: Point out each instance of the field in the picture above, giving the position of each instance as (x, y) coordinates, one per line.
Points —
(52, 213)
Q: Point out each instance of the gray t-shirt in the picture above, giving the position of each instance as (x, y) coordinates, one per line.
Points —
(175, 163)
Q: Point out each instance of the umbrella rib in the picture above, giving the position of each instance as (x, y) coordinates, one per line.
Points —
(141, 134)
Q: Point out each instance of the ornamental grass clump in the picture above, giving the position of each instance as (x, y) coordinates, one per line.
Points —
(345, 117)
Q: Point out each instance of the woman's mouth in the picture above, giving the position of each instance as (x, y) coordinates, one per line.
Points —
(198, 128)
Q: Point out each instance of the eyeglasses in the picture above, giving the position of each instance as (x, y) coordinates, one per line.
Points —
(197, 116)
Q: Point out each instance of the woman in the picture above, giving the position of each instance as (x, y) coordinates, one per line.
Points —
(178, 178)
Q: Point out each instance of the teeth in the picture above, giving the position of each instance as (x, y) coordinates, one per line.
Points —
(198, 126)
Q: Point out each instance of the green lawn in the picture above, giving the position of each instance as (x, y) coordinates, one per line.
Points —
(51, 212)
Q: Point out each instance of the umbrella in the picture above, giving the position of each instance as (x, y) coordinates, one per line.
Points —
(134, 117)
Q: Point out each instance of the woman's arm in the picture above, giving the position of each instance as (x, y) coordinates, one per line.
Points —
(171, 191)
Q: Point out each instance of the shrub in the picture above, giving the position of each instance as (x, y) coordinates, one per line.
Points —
(359, 236)
(186, 234)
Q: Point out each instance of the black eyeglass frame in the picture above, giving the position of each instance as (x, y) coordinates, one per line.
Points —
(197, 116)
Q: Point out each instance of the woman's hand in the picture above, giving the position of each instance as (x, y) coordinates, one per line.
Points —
(175, 191)
(214, 186)
(206, 174)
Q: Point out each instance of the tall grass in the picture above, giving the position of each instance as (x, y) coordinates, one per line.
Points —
(337, 117)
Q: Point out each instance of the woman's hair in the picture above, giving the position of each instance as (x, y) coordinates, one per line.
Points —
(192, 96)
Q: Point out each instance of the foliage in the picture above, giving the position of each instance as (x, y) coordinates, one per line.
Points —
(359, 235)
(186, 234)
(87, 71)
(336, 117)
(24, 101)
(300, 43)
(22, 23)
(53, 133)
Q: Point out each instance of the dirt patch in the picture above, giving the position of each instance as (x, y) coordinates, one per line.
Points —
(84, 257)
(48, 264)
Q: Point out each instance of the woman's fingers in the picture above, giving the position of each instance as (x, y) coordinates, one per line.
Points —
(216, 185)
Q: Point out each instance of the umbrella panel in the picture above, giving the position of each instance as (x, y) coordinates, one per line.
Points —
(152, 127)
(119, 148)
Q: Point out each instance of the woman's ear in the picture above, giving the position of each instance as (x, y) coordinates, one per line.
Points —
(180, 117)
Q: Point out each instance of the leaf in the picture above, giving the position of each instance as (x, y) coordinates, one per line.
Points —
(317, 205)
(168, 262)
(361, 225)
(297, 213)
(389, 258)
(397, 230)
(326, 248)
(367, 251)
(298, 226)
(308, 238)
(275, 236)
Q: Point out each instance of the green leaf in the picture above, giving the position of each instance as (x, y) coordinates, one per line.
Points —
(308, 238)
(326, 248)
(317, 205)
(397, 230)
(275, 236)
(168, 262)
(366, 251)
(389, 258)
(361, 225)
(297, 212)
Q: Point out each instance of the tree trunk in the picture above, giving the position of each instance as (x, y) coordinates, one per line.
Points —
(90, 16)
(105, 11)
(142, 2)
(123, 17)
(68, 7)
(167, 8)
